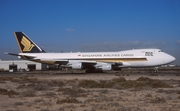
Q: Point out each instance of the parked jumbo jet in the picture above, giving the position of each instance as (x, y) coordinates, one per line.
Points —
(29, 50)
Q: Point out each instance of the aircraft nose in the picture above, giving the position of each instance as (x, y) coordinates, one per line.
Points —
(168, 59)
(173, 58)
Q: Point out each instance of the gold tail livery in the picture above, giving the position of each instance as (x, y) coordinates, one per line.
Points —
(26, 45)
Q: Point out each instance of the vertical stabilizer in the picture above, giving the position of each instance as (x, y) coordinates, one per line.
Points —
(26, 45)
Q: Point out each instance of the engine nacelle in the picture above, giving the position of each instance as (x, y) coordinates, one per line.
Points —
(104, 67)
(121, 65)
(76, 65)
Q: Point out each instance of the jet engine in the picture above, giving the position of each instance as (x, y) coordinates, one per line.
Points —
(105, 67)
(76, 66)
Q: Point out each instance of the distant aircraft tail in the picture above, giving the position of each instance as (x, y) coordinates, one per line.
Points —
(26, 45)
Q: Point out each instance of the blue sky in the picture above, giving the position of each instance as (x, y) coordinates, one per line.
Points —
(91, 25)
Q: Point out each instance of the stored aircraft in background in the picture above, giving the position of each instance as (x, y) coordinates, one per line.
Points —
(29, 50)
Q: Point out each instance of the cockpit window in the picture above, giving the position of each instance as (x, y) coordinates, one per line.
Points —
(160, 51)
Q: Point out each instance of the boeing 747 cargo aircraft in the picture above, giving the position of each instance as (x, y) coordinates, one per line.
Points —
(29, 50)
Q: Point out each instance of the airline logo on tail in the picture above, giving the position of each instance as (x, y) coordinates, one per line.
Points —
(27, 44)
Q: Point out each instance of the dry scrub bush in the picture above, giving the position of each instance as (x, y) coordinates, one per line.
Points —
(18, 103)
(45, 110)
(153, 83)
(143, 82)
(42, 85)
(71, 92)
(167, 91)
(120, 79)
(157, 100)
(121, 82)
(178, 97)
(25, 79)
(35, 86)
(88, 84)
(28, 93)
(2, 79)
(104, 98)
(13, 110)
(143, 79)
(67, 100)
(130, 109)
(74, 81)
(178, 91)
(50, 94)
(106, 84)
(160, 84)
(148, 95)
(100, 84)
(55, 83)
(39, 100)
(6, 92)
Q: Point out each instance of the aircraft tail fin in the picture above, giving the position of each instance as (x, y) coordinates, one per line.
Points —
(26, 45)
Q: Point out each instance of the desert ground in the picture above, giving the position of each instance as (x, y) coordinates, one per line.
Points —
(90, 92)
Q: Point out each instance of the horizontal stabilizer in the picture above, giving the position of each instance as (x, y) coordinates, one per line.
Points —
(11, 54)
(29, 57)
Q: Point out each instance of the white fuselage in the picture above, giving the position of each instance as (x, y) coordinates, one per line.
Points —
(128, 58)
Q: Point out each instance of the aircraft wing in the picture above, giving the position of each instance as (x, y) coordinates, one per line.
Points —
(61, 61)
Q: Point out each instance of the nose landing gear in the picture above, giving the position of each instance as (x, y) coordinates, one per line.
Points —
(156, 70)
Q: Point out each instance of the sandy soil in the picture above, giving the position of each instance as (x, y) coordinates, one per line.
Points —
(90, 92)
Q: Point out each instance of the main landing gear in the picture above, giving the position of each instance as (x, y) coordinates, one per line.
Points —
(156, 70)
